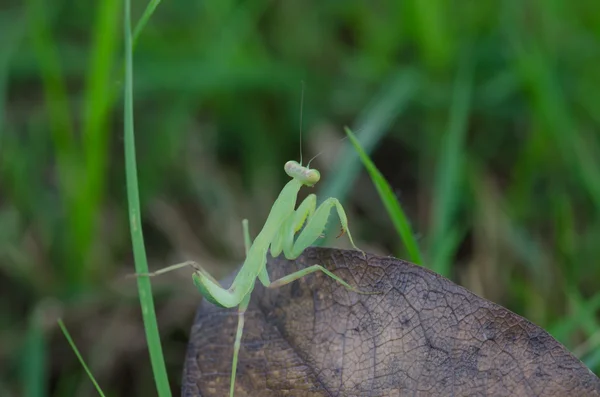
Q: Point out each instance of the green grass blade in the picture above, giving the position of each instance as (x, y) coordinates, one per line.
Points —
(144, 20)
(449, 172)
(85, 367)
(96, 134)
(390, 202)
(433, 34)
(372, 124)
(137, 238)
(150, 8)
(532, 62)
(55, 89)
(61, 127)
(35, 358)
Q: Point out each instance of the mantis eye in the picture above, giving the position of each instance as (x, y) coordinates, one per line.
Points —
(291, 166)
(311, 177)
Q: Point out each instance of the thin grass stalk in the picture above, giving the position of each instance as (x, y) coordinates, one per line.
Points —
(139, 252)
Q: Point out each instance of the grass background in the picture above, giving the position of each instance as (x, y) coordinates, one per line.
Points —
(483, 116)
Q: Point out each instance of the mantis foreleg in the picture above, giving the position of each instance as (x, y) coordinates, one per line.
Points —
(315, 219)
(315, 224)
(293, 223)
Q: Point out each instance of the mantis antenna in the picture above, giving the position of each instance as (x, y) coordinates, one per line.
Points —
(300, 128)
(301, 109)
(321, 152)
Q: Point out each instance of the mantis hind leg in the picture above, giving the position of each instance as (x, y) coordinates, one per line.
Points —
(167, 269)
(238, 342)
(311, 269)
(304, 272)
(206, 284)
(242, 284)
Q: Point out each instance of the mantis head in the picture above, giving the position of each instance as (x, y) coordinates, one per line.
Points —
(305, 175)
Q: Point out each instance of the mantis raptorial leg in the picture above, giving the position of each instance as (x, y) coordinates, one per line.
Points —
(279, 234)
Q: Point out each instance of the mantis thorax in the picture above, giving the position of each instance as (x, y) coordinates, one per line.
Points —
(307, 176)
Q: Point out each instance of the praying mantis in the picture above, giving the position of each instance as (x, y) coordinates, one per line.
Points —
(279, 235)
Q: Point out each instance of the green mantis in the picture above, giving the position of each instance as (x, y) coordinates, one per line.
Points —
(286, 230)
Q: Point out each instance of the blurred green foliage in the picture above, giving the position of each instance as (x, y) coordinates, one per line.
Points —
(483, 116)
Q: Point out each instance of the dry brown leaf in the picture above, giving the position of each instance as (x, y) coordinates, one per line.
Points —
(423, 336)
